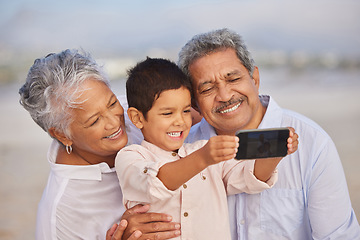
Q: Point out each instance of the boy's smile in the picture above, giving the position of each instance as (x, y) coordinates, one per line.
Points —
(169, 120)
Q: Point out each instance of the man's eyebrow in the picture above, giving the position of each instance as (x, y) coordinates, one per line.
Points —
(204, 83)
(232, 73)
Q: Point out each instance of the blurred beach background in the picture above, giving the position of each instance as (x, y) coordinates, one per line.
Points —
(308, 53)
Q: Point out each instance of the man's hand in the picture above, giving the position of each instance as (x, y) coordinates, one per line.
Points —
(143, 225)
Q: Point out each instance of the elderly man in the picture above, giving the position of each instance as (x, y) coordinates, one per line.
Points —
(311, 199)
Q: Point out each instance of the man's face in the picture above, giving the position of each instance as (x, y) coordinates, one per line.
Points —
(226, 94)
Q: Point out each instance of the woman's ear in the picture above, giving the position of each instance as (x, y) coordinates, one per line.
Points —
(60, 137)
(136, 117)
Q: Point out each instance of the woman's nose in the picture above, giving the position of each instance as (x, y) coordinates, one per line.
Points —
(112, 120)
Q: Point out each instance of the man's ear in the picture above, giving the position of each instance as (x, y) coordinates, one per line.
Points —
(256, 77)
(60, 137)
(136, 117)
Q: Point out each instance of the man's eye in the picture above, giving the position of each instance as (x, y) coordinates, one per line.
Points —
(206, 90)
(233, 80)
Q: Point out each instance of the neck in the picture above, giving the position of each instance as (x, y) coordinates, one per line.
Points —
(75, 158)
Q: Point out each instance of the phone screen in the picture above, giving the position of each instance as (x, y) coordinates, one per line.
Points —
(262, 143)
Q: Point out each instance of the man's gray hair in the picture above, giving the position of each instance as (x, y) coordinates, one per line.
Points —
(53, 85)
(217, 40)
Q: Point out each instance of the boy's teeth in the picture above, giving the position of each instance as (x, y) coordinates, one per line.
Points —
(231, 109)
(174, 134)
(114, 134)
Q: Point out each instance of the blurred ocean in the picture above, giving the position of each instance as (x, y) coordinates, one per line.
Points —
(308, 53)
(328, 96)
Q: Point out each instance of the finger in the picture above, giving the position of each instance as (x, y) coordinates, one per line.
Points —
(150, 217)
(292, 131)
(137, 209)
(224, 154)
(111, 231)
(162, 235)
(159, 227)
(136, 235)
(120, 230)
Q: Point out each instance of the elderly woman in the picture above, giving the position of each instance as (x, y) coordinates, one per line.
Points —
(68, 96)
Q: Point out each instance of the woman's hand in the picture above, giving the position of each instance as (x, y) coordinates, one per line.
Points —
(136, 223)
(117, 231)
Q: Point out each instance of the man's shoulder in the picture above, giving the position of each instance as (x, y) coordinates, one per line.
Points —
(200, 131)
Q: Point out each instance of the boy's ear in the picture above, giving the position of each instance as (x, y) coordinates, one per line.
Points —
(136, 117)
(60, 137)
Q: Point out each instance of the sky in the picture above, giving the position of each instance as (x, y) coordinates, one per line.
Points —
(133, 28)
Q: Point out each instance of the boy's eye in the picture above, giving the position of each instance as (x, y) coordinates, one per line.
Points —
(187, 111)
(166, 113)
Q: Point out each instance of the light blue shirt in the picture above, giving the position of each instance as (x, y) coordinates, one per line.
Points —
(310, 199)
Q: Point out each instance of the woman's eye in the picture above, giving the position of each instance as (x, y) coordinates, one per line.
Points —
(113, 104)
(97, 119)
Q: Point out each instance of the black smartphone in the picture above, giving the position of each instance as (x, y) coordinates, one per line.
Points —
(262, 143)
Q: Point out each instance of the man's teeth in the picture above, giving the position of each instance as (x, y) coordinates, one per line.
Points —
(231, 109)
(174, 134)
(114, 134)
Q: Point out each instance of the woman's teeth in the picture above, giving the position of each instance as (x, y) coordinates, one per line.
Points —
(174, 134)
(231, 109)
(114, 134)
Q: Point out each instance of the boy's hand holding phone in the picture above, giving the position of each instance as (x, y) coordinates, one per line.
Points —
(219, 148)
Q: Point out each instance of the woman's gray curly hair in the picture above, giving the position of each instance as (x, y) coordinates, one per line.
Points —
(53, 84)
(217, 40)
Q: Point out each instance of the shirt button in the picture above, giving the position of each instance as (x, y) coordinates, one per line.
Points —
(174, 154)
(186, 214)
(203, 177)
(145, 170)
(242, 222)
(184, 185)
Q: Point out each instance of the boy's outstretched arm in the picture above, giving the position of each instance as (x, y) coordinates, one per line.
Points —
(264, 168)
(217, 149)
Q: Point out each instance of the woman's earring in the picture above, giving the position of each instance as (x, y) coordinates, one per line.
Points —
(68, 149)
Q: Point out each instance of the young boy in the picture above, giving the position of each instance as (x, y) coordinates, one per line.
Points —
(188, 181)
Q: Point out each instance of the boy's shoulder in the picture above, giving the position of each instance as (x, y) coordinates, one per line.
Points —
(190, 147)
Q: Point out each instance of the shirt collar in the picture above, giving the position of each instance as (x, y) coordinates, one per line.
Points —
(273, 114)
(80, 172)
(161, 152)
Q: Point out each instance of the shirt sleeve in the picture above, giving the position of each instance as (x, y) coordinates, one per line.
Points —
(330, 213)
(239, 177)
(137, 172)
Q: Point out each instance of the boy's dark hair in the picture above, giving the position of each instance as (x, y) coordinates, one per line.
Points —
(149, 78)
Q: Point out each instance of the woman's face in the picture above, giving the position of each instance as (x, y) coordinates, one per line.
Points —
(98, 129)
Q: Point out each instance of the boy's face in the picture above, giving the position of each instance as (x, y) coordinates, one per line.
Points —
(169, 120)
